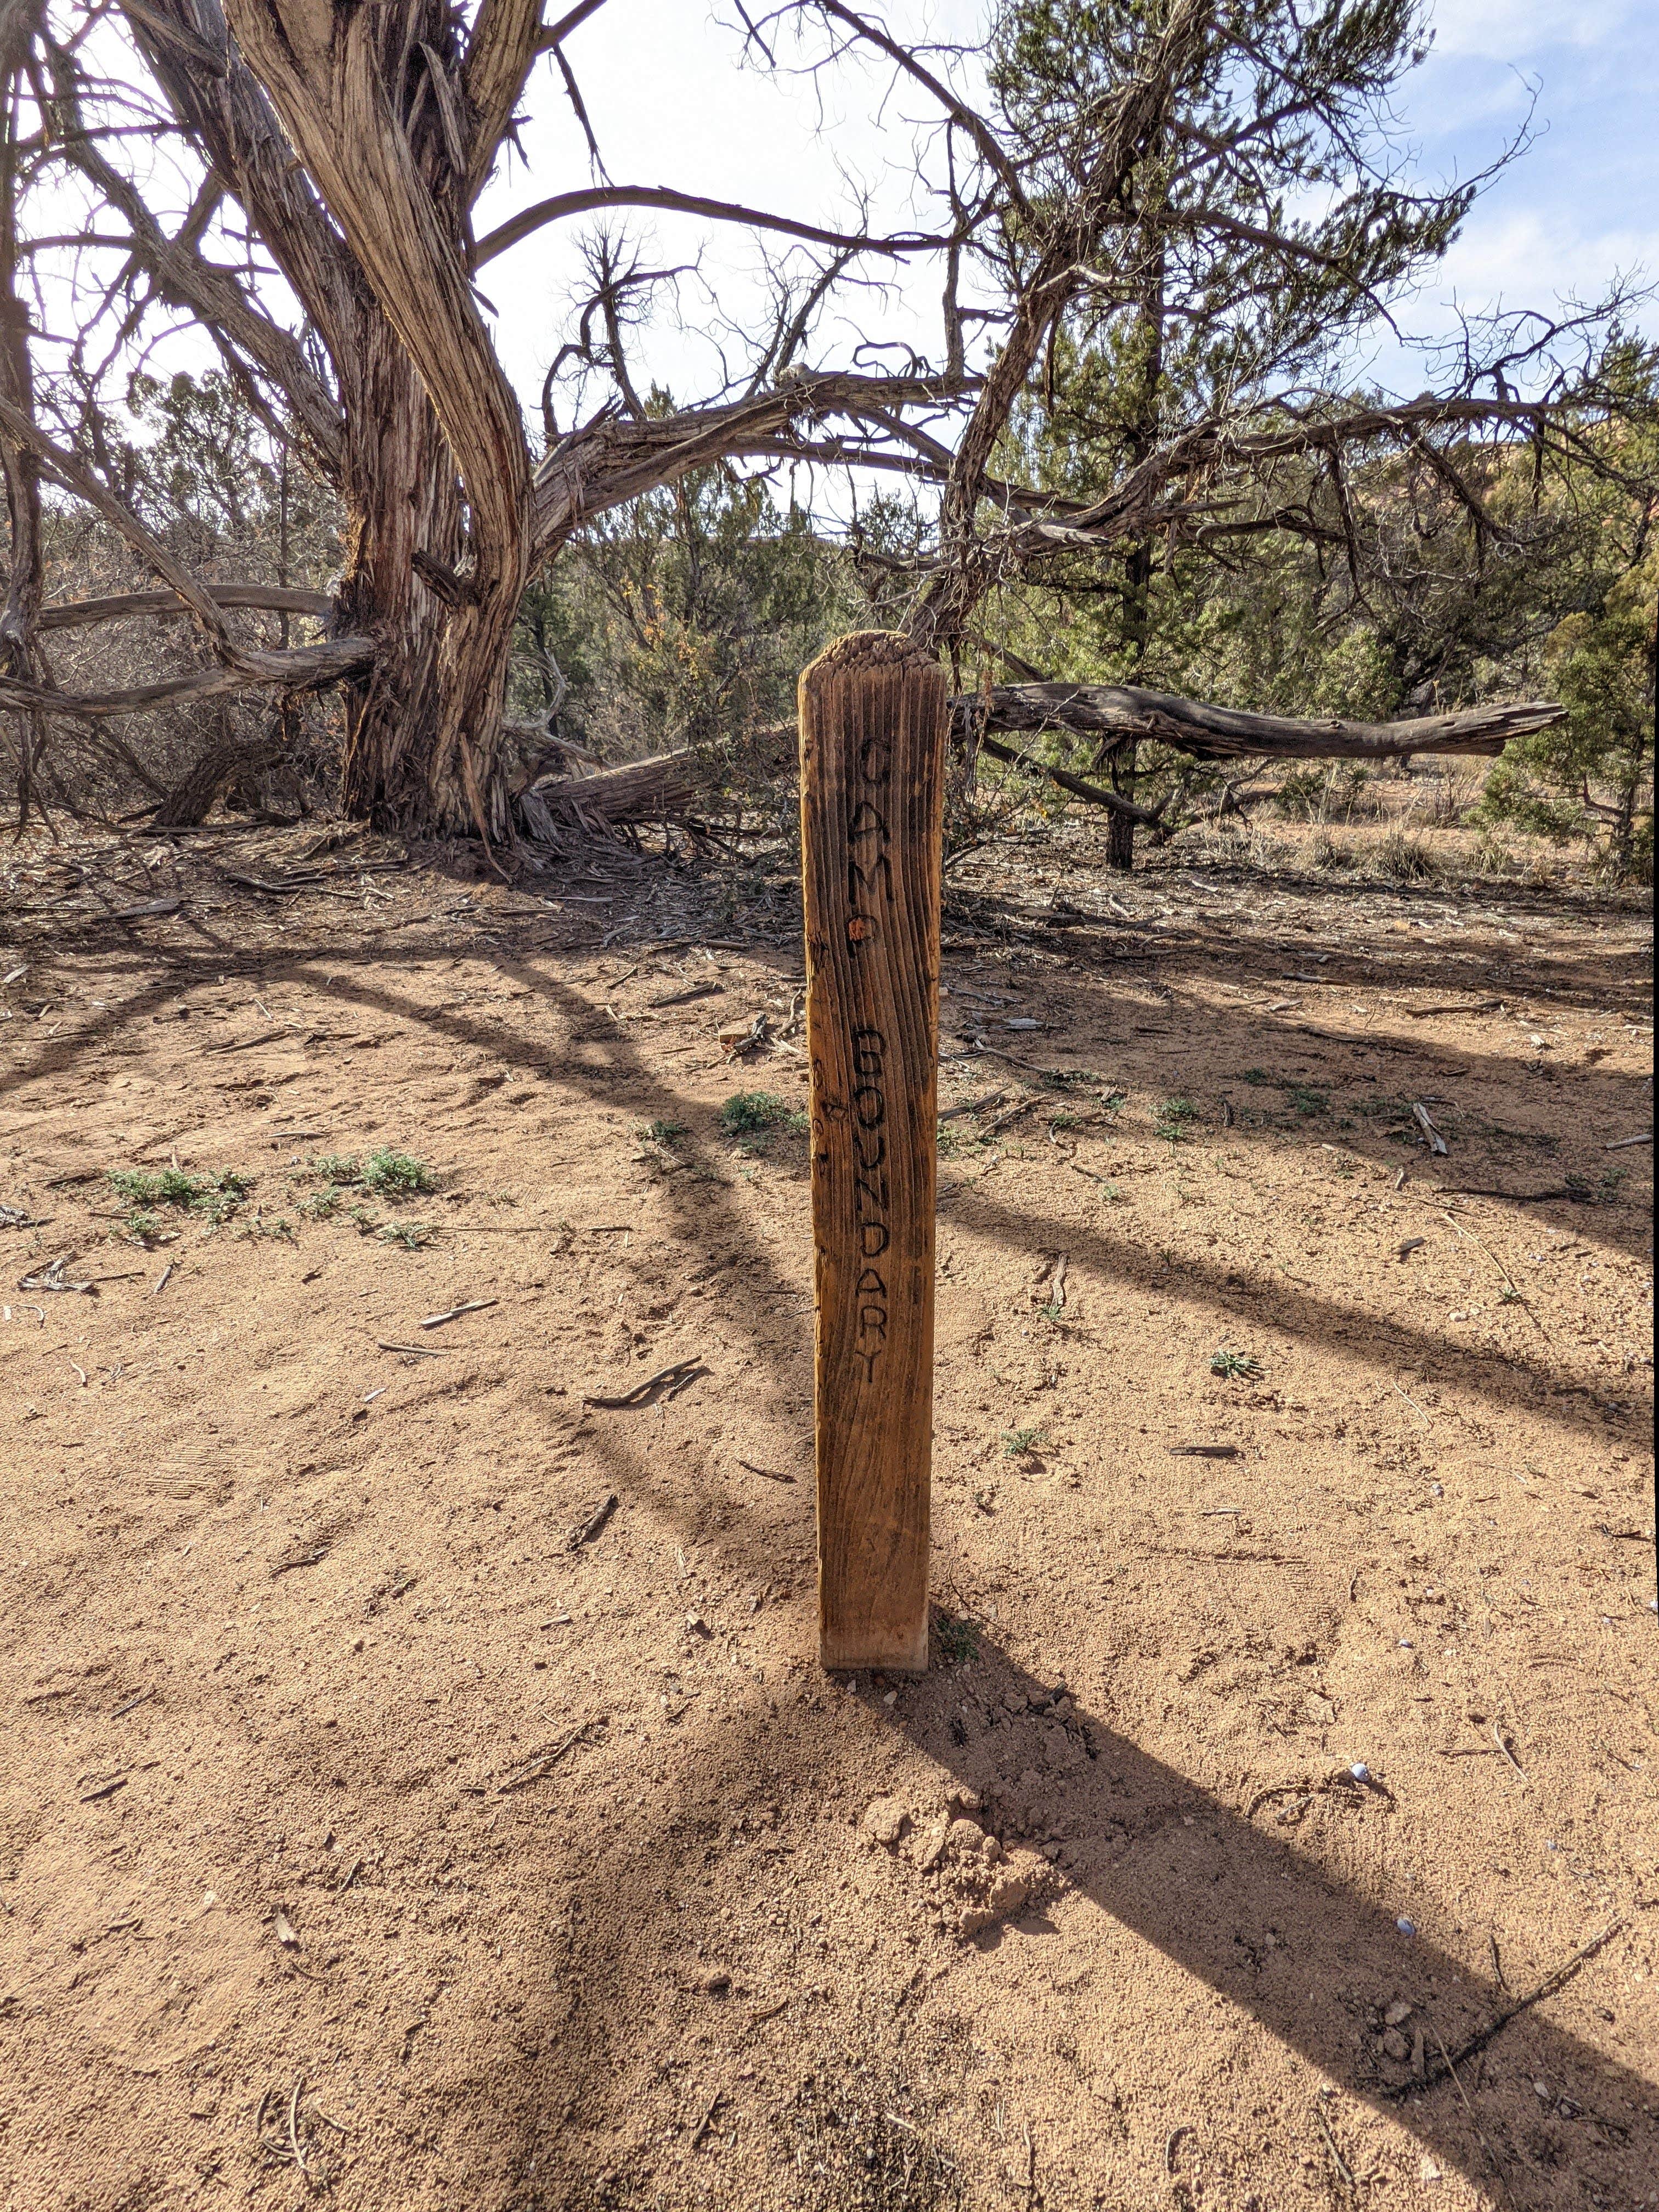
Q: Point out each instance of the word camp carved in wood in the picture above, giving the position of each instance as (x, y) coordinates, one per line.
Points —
(873, 716)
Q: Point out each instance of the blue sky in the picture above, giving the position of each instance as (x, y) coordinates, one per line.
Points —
(670, 104)
(1584, 200)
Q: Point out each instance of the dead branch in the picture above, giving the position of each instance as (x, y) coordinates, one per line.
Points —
(126, 606)
(304, 668)
(1206, 732)
(661, 788)
(1095, 794)
(531, 219)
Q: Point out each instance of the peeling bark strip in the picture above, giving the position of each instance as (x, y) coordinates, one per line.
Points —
(873, 717)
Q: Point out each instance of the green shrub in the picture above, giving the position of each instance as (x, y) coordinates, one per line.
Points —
(749, 1113)
(395, 1175)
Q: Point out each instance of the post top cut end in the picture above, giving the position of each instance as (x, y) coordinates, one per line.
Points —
(869, 648)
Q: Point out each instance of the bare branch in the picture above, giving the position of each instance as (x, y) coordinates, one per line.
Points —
(307, 668)
(128, 606)
(531, 219)
(985, 139)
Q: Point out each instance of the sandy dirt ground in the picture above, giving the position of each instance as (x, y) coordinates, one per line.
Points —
(385, 1824)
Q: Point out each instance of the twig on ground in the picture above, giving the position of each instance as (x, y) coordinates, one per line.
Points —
(1342, 2167)
(1413, 1403)
(595, 1522)
(536, 1766)
(706, 2121)
(669, 1381)
(454, 1313)
(1548, 1988)
(770, 1473)
(1497, 1738)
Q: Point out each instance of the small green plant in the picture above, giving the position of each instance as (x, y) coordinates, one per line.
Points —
(1508, 1295)
(141, 1227)
(318, 1205)
(367, 1222)
(395, 1175)
(1603, 1191)
(1255, 1075)
(1173, 1119)
(281, 1227)
(757, 1113)
(1017, 1443)
(215, 1196)
(949, 1139)
(336, 1167)
(664, 1133)
(412, 1235)
(956, 1641)
(1236, 1366)
(1306, 1100)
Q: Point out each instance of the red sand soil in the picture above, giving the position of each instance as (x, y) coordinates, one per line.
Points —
(368, 1835)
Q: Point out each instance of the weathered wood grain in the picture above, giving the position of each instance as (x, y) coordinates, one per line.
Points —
(874, 713)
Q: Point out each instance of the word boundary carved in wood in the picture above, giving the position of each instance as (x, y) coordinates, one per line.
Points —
(874, 713)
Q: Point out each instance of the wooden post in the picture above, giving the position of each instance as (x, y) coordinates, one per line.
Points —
(873, 715)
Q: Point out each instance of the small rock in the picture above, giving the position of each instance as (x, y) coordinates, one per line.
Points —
(715, 1985)
(886, 1820)
(1395, 2044)
(1051, 1852)
(1541, 2090)
(965, 1801)
(1405, 1927)
(1399, 2010)
(965, 1836)
(696, 1625)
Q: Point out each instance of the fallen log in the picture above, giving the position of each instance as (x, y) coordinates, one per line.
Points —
(653, 790)
(1124, 711)
(667, 785)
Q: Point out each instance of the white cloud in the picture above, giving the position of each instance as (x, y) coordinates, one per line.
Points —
(1510, 30)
